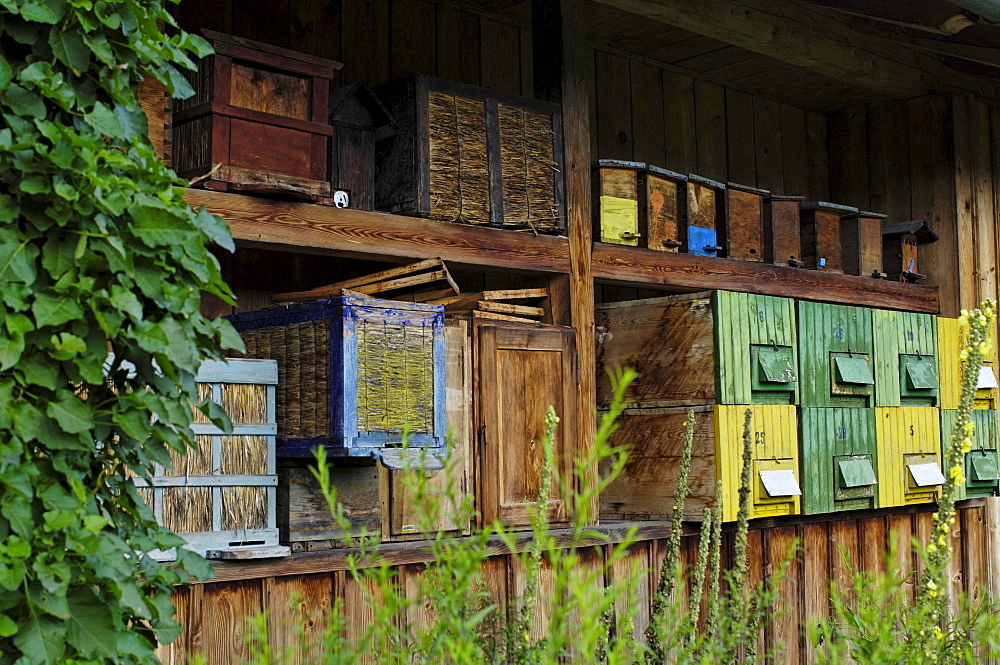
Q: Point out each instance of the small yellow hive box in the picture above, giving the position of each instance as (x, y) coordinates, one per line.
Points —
(909, 455)
(774, 482)
(951, 340)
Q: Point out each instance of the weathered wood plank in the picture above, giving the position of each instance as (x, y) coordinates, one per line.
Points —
(815, 580)
(225, 609)
(647, 115)
(617, 264)
(308, 228)
(848, 145)
(740, 137)
(794, 152)
(710, 127)
(818, 173)
(500, 57)
(457, 45)
(889, 159)
(614, 107)
(298, 604)
(679, 121)
(413, 38)
(767, 144)
(783, 636)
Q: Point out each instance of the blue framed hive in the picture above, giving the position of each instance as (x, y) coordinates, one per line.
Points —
(355, 374)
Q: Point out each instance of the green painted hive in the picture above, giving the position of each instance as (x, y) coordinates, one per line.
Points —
(835, 355)
(982, 473)
(839, 459)
(906, 366)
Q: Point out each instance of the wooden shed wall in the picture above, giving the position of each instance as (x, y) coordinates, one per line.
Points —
(214, 614)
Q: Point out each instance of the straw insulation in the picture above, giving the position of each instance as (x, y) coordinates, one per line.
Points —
(395, 377)
(459, 174)
(528, 169)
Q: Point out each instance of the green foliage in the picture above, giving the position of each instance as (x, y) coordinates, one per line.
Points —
(98, 253)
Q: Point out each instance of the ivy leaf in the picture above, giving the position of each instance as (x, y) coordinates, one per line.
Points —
(54, 310)
(6, 73)
(90, 627)
(17, 510)
(77, 53)
(215, 228)
(133, 121)
(40, 638)
(17, 259)
(216, 414)
(43, 11)
(103, 120)
(71, 413)
(23, 102)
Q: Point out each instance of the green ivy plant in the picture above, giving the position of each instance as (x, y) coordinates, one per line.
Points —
(99, 253)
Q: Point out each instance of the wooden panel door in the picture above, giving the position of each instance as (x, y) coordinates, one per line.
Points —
(522, 370)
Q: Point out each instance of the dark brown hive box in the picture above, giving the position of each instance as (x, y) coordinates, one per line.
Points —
(358, 119)
(899, 249)
(661, 208)
(820, 235)
(259, 114)
(781, 231)
(861, 243)
(470, 155)
(744, 233)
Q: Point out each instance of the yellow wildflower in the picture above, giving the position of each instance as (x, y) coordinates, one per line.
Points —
(931, 585)
(963, 355)
(981, 320)
(955, 472)
(985, 348)
(938, 634)
(932, 594)
(932, 548)
(969, 427)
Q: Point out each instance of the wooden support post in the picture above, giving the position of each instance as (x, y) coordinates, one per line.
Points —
(559, 45)
(991, 513)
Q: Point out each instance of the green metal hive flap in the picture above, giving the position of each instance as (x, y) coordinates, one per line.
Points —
(775, 365)
(856, 472)
(984, 467)
(921, 374)
(854, 370)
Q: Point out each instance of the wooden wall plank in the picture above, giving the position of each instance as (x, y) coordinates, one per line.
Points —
(874, 543)
(500, 57)
(315, 29)
(361, 598)
(630, 574)
(991, 520)
(647, 115)
(740, 143)
(225, 609)
(295, 604)
(365, 41)
(794, 152)
(270, 27)
(710, 118)
(518, 583)
(848, 153)
(815, 580)
(614, 107)
(756, 553)
(783, 635)
(457, 45)
(193, 15)
(767, 144)
(844, 555)
(527, 63)
(413, 38)
(889, 160)
(932, 191)
(679, 122)
(900, 537)
(817, 159)
(984, 212)
(975, 553)
(965, 203)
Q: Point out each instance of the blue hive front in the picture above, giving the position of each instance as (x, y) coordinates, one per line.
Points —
(354, 375)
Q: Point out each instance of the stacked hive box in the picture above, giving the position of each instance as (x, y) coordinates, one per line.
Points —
(839, 454)
(981, 468)
(721, 353)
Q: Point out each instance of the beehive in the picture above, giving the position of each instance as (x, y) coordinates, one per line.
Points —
(355, 374)
(900, 253)
(839, 459)
(470, 155)
(661, 208)
(906, 372)
(781, 231)
(982, 473)
(951, 340)
(820, 235)
(703, 348)
(744, 233)
(836, 355)
(706, 216)
(655, 439)
(616, 201)
(220, 497)
(861, 243)
(909, 455)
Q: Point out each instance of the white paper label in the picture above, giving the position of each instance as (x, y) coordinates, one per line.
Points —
(987, 379)
(926, 475)
(780, 482)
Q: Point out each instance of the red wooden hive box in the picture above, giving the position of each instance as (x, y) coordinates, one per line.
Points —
(258, 117)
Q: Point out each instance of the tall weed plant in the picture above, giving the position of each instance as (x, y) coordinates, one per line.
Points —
(564, 611)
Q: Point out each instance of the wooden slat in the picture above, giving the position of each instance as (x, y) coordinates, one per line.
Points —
(900, 535)
(637, 266)
(365, 40)
(815, 580)
(889, 159)
(848, 140)
(873, 544)
(783, 633)
(226, 608)
(991, 519)
(982, 197)
(457, 45)
(413, 25)
(975, 554)
(740, 137)
(818, 177)
(298, 604)
(500, 59)
(647, 115)
(314, 229)
(679, 117)
(767, 144)
(794, 152)
(710, 118)
(614, 107)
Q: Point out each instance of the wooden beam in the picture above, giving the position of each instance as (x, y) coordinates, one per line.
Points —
(787, 32)
(561, 74)
(618, 264)
(315, 229)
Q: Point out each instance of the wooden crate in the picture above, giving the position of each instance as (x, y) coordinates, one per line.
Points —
(521, 370)
(861, 243)
(357, 117)
(706, 216)
(220, 497)
(654, 439)
(909, 454)
(744, 234)
(900, 249)
(257, 121)
(615, 189)
(355, 374)
(836, 355)
(377, 500)
(471, 155)
(662, 195)
(782, 231)
(906, 350)
(951, 340)
(981, 463)
(839, 459)
(819, 235)
(702, 348)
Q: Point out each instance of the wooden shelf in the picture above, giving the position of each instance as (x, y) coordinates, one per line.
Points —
(316, 229)
(635, 266)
